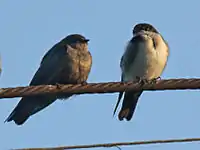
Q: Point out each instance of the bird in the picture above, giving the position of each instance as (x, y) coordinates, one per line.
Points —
(67, 62)
(144, 59)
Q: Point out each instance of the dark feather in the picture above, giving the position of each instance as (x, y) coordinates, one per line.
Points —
(132, 51)
(130, 98)
(48, 73)
(129, 104)
(145, 27)
(119, 98)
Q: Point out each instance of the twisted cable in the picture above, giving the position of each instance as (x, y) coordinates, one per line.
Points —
(118, 144)
(92, 88)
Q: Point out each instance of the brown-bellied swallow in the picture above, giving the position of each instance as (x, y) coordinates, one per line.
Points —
(67, 62)
(145, 57)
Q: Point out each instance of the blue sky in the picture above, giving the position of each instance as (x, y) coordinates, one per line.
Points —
(30, 28)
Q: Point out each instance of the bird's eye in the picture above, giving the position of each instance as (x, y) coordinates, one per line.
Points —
(81, 41)
(78, 41)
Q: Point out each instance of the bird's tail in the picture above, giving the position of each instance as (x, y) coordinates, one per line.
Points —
(27, 107)
(18, 116)
(129, 104)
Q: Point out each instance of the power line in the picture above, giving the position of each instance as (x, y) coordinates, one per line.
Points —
(109, 87)
(118, 144)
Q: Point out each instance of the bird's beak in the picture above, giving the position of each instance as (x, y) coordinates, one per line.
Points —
(86, 40)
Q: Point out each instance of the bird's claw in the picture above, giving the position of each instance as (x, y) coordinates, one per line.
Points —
(154, 80)
(58, 85)
(146, 81)
(84, 83)
(141, 80)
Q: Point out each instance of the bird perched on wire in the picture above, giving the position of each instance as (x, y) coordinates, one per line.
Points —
(67, 62)
(145, 58)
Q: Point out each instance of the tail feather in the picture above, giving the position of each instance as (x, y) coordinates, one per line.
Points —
(129, 104)
(27, 107)
(118, 101)
(18, 116)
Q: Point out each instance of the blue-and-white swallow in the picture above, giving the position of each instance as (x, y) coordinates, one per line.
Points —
(145, 57)
(67, 62)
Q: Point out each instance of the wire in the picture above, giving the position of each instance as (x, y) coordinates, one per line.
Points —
(118, 144)
(109, 87)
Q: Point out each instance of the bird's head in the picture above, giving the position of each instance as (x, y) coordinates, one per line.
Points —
(144, 27)
(77, 41)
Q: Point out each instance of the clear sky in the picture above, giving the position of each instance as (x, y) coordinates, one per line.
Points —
(28, 29)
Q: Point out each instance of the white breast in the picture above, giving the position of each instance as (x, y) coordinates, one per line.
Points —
(149, 62)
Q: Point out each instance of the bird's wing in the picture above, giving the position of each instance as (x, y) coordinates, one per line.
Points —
(127, 60)
(48, 73)
(132, 51)
(51, 66)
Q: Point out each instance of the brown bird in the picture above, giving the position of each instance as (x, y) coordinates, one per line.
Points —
(67, 62)
(145, 58)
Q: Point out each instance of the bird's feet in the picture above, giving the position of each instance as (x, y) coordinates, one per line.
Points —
(146, 81)
(58, 85)
(154, 80)
(84, 83)
(141, 81)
